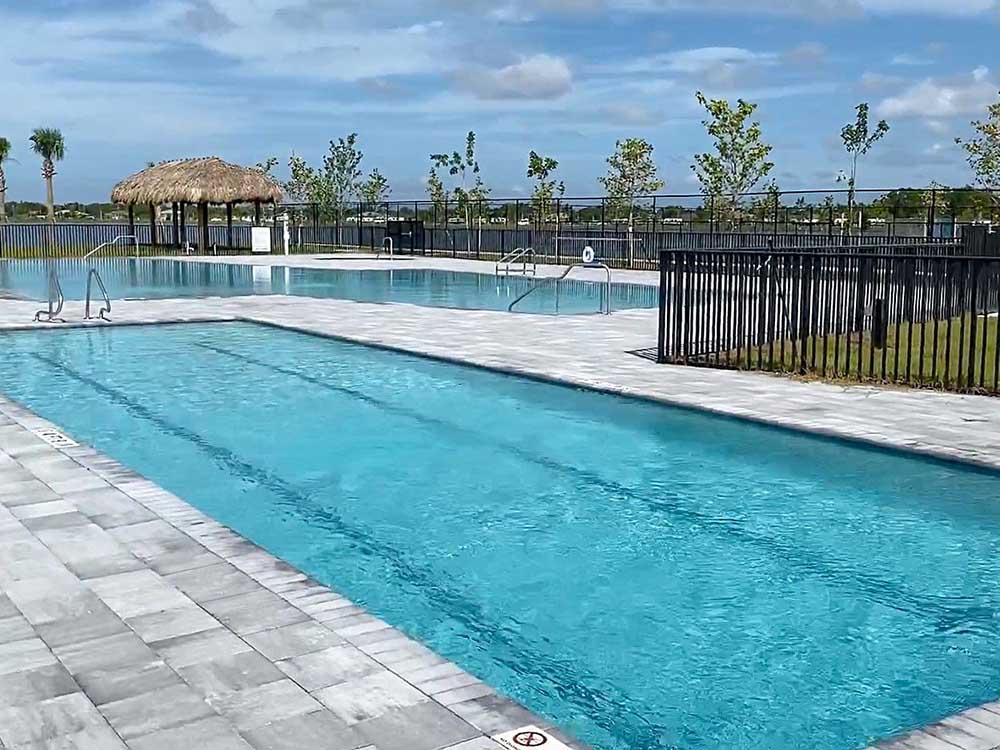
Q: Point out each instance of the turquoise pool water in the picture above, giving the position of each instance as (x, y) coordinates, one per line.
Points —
(159, 279)
(644, 576)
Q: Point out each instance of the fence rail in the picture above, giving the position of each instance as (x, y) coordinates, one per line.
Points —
(888, 314)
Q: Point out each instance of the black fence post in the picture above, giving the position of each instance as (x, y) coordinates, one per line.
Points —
(661, 333)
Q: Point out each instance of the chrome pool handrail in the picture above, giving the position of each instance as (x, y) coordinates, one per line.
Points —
(55, 301)
(104, 292)
(605, 309)
(134, 238)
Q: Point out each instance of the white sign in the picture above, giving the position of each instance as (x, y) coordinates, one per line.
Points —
(527, 737)
(260, 239)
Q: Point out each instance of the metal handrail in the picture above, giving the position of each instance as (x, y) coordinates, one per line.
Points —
(104, 292)
(517, 254)
(605, 309)
(387, 242)
(55, 302)
(135, 241)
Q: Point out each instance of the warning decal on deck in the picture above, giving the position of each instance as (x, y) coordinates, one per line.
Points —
(55, 438)
(530, 736)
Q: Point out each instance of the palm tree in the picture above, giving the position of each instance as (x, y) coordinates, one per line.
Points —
(48, 144)
(4, 155)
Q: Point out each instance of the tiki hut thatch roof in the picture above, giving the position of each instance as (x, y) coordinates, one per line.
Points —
(206, 180)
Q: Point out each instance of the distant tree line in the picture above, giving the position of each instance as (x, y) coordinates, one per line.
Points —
(738, 163)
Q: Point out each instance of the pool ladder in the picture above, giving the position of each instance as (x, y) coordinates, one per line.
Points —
(525, 256)
(605, 303)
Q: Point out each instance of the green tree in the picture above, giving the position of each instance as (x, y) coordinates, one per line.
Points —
(303, 182)
(469, 197)
(740, 159)
(540, 169)
(437, 193)
(341, 174)
(631, 174)
(267, 165)
(4, 156)
(375, 189)
(48, 143)
(983, 152)
(858, 140)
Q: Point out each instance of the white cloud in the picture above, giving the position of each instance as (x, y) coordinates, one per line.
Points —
(943, 97)
(539, 76)
(910, 60)
(878, 82)
(811, 53)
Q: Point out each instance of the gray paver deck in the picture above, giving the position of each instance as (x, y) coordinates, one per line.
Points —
(112, 591)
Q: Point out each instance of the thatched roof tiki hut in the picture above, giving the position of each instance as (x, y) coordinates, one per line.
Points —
(202, 182)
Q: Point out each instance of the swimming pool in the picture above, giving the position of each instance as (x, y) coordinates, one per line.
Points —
(160, 279)
(646, 577)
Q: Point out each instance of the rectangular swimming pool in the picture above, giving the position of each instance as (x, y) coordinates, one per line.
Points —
(646, 577)
(161, 279)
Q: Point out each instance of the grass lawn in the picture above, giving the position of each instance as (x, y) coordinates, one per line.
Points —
(909, 355)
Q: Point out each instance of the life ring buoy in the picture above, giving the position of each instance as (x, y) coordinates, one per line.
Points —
(588, 254)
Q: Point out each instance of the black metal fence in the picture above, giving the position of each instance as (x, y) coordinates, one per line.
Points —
(895, 313)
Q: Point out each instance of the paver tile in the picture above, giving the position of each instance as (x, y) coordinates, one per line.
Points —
(245, 614)
(426, 726)
(171, 623)
(254, 707)
(369, 697)
(110, 685)
(191, 649)
(213, 582)
(156, 710)
(228, 674)
(35, 685)
(28, 653)
(320, 669)
(212, 733)
(319, 729)
(293, 640)
(40, 722)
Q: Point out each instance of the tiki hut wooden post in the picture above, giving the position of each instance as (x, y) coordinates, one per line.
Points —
(152, 224)
(256, 213)
(175, 237)
(201, 182)
(131, 220)
(203, 227)
(229, 225)
(182, 240)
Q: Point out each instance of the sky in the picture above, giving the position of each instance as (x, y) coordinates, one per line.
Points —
(134, 81)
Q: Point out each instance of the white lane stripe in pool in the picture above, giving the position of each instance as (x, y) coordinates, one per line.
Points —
(527, 737)
(55, 438)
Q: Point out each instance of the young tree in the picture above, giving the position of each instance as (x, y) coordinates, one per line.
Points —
(341, 173)
(740, 158)
(4, 156)
(631, 174)
(437, 193)
(858, 140)
(375, 189)
(983, 153)
(465, 168)
(267, 165)
(48, 143)
(540, 169)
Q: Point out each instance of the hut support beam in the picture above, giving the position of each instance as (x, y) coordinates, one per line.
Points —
(229, 225)
(131, 221)
(174, 207)
(184, 223)
(256, 213)
(203, 225)
(152, 224)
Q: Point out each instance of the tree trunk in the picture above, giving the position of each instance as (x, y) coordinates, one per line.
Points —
(3, 195)
(50, 198)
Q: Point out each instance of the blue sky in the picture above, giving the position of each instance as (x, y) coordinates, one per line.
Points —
(130, 82)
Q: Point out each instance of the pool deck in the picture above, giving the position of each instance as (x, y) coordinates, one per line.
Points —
(89, 551)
